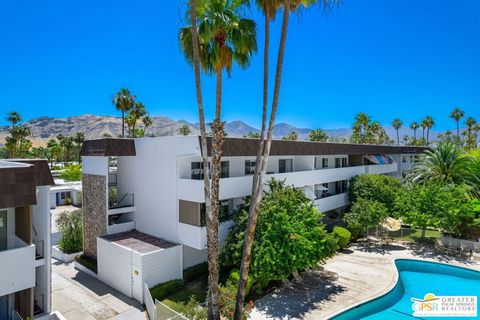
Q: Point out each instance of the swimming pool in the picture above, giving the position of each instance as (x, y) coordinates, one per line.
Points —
(416, 279)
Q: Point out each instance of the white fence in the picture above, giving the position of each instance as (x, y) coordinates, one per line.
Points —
(459, 244)
(149, 304)
(166, 313)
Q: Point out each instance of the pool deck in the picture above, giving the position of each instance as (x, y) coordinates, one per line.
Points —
(364, 272)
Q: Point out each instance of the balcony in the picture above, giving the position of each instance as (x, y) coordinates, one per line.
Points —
(124, 204)
(18, 268)
(332, 202)
(196, 237)
(382, 168)
(120, 227)
(235, 187)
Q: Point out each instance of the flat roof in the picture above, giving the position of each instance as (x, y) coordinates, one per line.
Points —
(108, 147)
(139, 242)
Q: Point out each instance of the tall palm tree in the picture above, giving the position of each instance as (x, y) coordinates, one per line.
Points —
(446, 163)
(414, 126)
(428, 123)
(123, 101)
(136, 113)
(397, 124)
(225, 37)
(184, 130)
(78, 139)
(470, 133)
(456, 115)
(147, 123)
(265, 142)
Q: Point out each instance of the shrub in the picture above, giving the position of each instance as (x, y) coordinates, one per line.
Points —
(70, 224)
(195, 272)
(161, 290)
(363, 215)
(235, 279)
(343, 236)
(72, 172)
(228, 296)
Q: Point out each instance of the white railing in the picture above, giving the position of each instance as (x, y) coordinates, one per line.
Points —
(120, 227)
(164, 312)
(332, 202)
(382, 168)
(196, 237)
(459, 243)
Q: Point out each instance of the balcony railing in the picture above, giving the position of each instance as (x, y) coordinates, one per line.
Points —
(112, 178)
(127, 200)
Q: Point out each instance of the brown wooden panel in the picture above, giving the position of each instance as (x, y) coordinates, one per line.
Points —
(189, 212)
(23, 224)
(24, 303)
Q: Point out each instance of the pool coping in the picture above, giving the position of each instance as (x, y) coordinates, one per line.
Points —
(392, 285)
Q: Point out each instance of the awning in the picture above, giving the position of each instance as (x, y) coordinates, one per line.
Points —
(379, 159)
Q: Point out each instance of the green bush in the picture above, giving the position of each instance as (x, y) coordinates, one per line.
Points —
(235, 279)
(365, 214)
(70, 224)
(195, 272)
(162, 290)
(343, 236)
(72, 172)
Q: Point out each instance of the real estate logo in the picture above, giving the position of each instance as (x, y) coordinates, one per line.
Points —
(444, 306)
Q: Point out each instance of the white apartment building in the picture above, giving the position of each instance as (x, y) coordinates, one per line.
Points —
(25, 255)
(155, 185)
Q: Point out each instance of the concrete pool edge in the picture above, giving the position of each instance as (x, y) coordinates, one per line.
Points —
(394, 283)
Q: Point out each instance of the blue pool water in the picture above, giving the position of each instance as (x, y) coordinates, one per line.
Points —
(417, 278)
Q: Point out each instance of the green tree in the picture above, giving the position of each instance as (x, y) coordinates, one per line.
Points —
(289, 236)
(184, 130)
(123, 101)
(14, 118)
(318, 135)
(252, 135)
(366, 130)
(70, 224)
(66, 143)
(376, 187)
(397, 124)
(414, 126)
(72, 172)
(292, 136)
(364, 215)
(457, 114)
(446, 164)
(54, 151)
(134, 115)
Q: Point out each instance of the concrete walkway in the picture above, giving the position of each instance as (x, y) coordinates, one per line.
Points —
(364, 272)
(79, 296)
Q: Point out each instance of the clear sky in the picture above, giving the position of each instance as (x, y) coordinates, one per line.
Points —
(388, 58)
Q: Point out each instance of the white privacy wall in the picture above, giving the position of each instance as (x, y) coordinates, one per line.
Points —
(192, 257)
(163, 265)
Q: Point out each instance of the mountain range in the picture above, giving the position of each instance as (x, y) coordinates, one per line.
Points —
(94, 126)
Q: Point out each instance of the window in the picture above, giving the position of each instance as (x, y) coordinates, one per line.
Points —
(340, 162)
(321, 190)
(324, 162)
(3, 230)
(249, 167)
(65, 195)
(285, 165)
(341, 186)
(224, 169)
(197, 170)
(337, 162)
(344, 162)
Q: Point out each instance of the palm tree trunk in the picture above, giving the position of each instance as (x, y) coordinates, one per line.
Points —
(398, 138)
(415, 134)
(212, 233)
(428, 133)
(458, 129)
(203, 142)
(123, 124)
(256, 197)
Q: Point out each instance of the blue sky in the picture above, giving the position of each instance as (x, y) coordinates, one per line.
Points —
(388, 58)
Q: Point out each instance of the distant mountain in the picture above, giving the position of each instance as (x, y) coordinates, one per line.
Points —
(44, 128)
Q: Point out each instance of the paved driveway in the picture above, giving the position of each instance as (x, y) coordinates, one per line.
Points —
(77, 295)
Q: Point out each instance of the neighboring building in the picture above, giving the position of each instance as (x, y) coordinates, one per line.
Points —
(65, 193)
(25, 261)
(155, 185)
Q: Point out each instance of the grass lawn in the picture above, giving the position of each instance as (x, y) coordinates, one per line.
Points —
(415, 235)
(196, 288)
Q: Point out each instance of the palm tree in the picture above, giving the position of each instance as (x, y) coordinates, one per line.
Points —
(456, 115)
(123, 101)
(184, 130)
(446, 164)
(470, 133)
(428, 123)
(292, 136)
(318, 135)
(265, 138)
(66, 143)
(223, 38)
(14, 118)
(78, 139)
(397, 124)
(414, 126)
(147, 123)
(136, 113)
